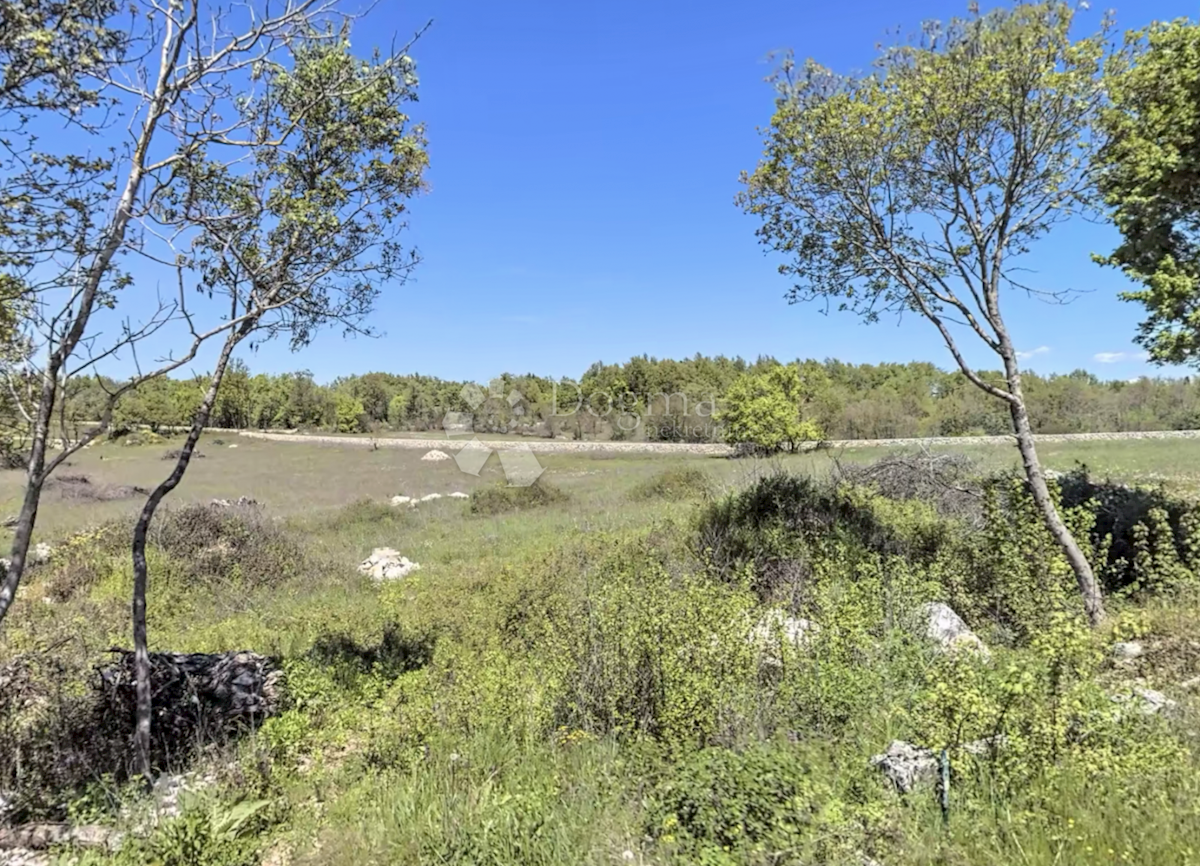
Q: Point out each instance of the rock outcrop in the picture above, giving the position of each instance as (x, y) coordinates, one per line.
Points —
(945, 627)
(384, 563)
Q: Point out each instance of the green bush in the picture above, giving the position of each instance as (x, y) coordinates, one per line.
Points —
(1147, 538)
(764, 805)
(681, 482)
(782, 524)
(500, 498)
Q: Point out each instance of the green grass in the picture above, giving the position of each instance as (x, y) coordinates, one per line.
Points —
(461, 760)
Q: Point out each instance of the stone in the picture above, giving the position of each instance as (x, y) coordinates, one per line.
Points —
(240, 502)
(40, 554)
(947, 628)
(430, 497)
(436, 455)
(403, 500)
(384, 563)
(234, 445)
(1128, 650)
(906, 765)
(1148, 702)
(776, 627)
(458, 494)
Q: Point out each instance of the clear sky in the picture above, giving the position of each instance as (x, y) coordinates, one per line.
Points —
(584, 160)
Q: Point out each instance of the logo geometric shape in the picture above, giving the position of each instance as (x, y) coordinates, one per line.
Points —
(472, 456)
(521, 466)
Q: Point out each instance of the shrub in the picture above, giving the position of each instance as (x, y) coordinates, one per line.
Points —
(682, 482)
(641, 649)
(56, 740)
(1147, 539)
(949, 482)
(782, 522)
(233, 543)
(500, 498)
(762, 805)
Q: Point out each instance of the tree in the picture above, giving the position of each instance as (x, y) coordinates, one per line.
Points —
(1149, 174)
(917, 188)
(766, 410)
(296, 229)
(70, 218)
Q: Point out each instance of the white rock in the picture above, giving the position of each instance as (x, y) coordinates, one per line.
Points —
(1148, 702)
(1128, 650)
(458, 494)
(777, 627)
(403, 500)
(40, 554)
(234, 445)
(384, 563)
(906, 765)
(946, 627)
(435, 454)
(430, 497)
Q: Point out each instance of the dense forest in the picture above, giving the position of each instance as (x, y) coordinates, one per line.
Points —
(657, 399)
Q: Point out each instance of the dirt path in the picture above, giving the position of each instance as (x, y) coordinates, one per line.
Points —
(560, 446)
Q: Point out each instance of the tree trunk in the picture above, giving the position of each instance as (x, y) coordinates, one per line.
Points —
(35, 479)
(141, 653)
(1093, 601)
(113, 238)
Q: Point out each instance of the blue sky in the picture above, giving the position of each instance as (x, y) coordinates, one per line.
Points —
(584, 160)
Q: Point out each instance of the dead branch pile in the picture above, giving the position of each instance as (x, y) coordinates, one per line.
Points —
(197, 697)
(949, 481)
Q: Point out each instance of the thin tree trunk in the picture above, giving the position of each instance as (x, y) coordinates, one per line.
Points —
(1089, 588)
(114, 237)
(141, 653)
(35, 479)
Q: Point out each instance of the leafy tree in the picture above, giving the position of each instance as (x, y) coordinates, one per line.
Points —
(296, 226)
(70, 218)
(350, 413)
(1149, 174)
(766, 410)
(917, 188)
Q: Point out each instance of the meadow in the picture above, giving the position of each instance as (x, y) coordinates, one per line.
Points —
(570, 681)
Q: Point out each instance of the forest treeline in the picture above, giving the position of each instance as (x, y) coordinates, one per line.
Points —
(656, 399)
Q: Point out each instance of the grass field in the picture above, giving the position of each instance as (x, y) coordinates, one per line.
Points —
(516, 776)
(296, 478)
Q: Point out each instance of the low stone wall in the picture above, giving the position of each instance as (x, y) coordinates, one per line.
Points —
(559, 446)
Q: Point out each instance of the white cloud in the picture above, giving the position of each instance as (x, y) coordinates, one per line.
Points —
(1114, 357)
(1040, 350)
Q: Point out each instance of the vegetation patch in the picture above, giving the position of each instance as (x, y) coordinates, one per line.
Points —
(237, 543)
(681, 482)
(501, 499)
(82, 488)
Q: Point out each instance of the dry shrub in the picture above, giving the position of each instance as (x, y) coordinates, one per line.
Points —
(176, 453)
(950, 482)
(55, 737)
(501, 499)
(228, 542)
(679, 482)
(82, 488)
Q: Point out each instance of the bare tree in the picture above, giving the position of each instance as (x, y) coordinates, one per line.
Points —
(917, 188)
(294, 225)
(74, 217)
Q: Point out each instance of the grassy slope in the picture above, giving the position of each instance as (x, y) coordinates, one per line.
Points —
(364, 802)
